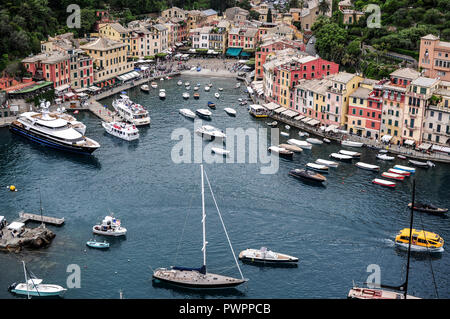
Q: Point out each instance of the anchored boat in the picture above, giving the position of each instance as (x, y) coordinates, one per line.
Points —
(211, 132)
(125, 131)
(97, 244)
(110, 226)
(187, 113)
(419, 163)
(428, 208)
(292, 148)
(266, 256)
(230, 111)
(307, 175)
(385, 157)
(162, 93)
(281, 151)
(351, 143)
(317, 167)
(211, 105)
(383, 182)
(350, 153)
(327, 163)
(405, 168)
(393, 176)
(301, 144)
(367, 166)
(204, 114)
(220, 151)
(145, 88)
(314, 141)
(341, 157)
(399, 172)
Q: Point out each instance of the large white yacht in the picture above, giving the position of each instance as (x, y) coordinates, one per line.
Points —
(130, 111)
(125, 131)
(77, 125)
(52, 131)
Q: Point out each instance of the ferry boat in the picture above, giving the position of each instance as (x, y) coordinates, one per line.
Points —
(131, 112)
(110, 226)
(383, 182)
(421, 240)
(211, 132)
(162, 94)
(301, 144)
(266, 256)
(187, 113)
(125, 131)
(351, 143)
(52, 132)
(327, 163)
(405, 168)
(367, 166)
(257, 110)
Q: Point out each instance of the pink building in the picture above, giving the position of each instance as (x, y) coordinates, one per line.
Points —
(52, 66)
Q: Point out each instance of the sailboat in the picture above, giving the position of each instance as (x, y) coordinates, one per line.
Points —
(395, 292)
(199, 278)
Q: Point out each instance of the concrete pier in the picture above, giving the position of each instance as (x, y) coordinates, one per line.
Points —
(25, 217)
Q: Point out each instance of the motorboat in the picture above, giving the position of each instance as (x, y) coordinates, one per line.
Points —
(367, 166)
(257, 110)
(186, 83)
(217, 95)
(383, 151)
(317, 167)
(97, 244)
(162, 93)
(196, 95)
(314, 141)
(419, 164)
(180, 83)
(428, 208)
(204, 114)
(154, 85)
(393, 176)
(421, 240)
(301, 144)
(131, 112)
(245, 103)
(325, 140)
(186, 95)
(272, 124)
(286, 134)
(125, 131)
(399, 172)
(385, 157)
(327, 163)
(196, 88)
(188, 87)
(210, 132)
(110, 226)
(207, 88)
(145, 88)
(307, 175)
(350, 153)
(351, 143)
(287, 127)
(230, 111)
(187, 113)
(240, 99)
(383, 182)
(34, 287)
(405, 168)
(282, 152)
(301, 134)
(220, 89)
(266, 256)
(53, 132)
(341, 157)
(292, 148)
(210, 84)
(211, 105)
(161, 79)
(401, 156)
(220, 151)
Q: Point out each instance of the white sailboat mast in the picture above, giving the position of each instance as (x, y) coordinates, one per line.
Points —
(203, 220)
(26, 279)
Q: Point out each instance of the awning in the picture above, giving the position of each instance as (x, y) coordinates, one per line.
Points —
(271, 106)
(210, 52)
(243, 61)
(69, 94)
(15, 225)
(279, 110)
(298, 118)
(424, 146)
(81, 90)
(245, 53)
(438, 148)
(233, 51)
(290, 113)
(386, 138)
(331, 128)
(143, 68)
(306, 119)
(313, 122)
(128, 76)
(62, 87)
(409, 142)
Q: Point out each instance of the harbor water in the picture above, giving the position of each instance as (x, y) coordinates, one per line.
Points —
(337, 230)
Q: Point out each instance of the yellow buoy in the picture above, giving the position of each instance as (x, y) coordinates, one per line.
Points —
(12, 188)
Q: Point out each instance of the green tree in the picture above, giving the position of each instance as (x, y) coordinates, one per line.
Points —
(269, 15)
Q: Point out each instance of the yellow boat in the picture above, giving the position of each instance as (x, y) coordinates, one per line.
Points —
(257, 110)
(421, 240)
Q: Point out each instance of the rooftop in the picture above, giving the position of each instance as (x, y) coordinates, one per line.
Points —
(361, 93)
(406, 73)
(424, 82)
(102, 44)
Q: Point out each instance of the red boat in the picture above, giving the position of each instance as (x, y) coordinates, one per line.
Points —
(383, 182)
(399, 172)
(393, 176)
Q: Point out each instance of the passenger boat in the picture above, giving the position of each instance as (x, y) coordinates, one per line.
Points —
(110, 226)
(97, 244)
(211, 105)
(314, 141)
(399, 172)
(419, 164)
(220, 151)
(257, 110)
(154, 85)
(186, 95)
(272, 124)
(281, 151)
(327, 163)
(301, 144)
(405, 168)
(204, 114)
(317, 167)
(196, 95)
(145, 88)
(187, 113)
(393, 176)
(428, 208)
(401, 157)
(307, 175)
(292, 148)
(207, 88)
(125, 131)
(350, 153)
(162, 93)
(217, 95)
(326, 141)
(422, 241)
(211, 132)
(341, 157)
(199, 278)
(266, 256)
(35, 287)
(230, 111)
(385, 157)
(131, 112)
(383, 182)
(351, 143)
(52, 132)
(367, 166)
(180, 82)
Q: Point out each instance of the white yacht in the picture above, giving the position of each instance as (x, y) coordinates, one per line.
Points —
(131, 112)
(301, 144)
(110, 226)
(162, 93)
(77, 125)
(187, 113)
(266, 256)
(53, 132)
(125, 131)
(211, 132)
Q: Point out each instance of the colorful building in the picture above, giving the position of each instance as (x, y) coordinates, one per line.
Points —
(50, 66)
(434, 57)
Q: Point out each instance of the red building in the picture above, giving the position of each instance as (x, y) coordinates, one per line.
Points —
(52, 66)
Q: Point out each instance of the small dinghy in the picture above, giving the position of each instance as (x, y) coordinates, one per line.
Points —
(314, 141)
(367, 166)
(351, 143)
(301, 144)
(341, 157)
(419, 163)
(196, 88)
(350, 153)
(272, 124)
(401, 157)
(383, 182)
(217, 95)
(399, 172)
(145, 88)
(307, 175)
(188, 87)
(154, 85)
(238, 85)
(220, 89)
(206, 88)
(281, 151)
(196, 95)
(266, 256)
(220, 151)
(211, 105)
(326, 141)
(187, 113)
(317, 167)
(287, 127)
(186, 95)
(162, 93)
(286, 134)
(303, 134)
(428, 208)
(405, 168)
(97, 244)
(327, 163)
(385, 157)
(393, 176)
(179, 83)
(230, 111)
(204, 114)
(292, 148)
(186, 83)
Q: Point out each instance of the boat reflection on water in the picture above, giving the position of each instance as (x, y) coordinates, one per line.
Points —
(269, 265)
(197, 293)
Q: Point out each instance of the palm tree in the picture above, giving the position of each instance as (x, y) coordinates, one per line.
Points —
(324, 6)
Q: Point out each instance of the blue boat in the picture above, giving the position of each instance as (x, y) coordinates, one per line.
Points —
(96, 244)
(405, 168)
(211, 105)
(199, 69)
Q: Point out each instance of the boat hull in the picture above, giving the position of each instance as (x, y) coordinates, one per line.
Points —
(194, 280)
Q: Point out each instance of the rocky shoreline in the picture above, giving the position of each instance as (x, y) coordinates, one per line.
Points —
(33, 238)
